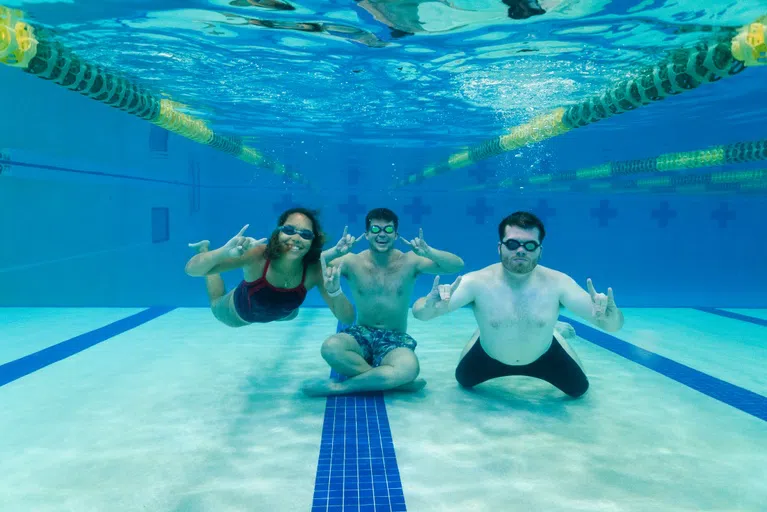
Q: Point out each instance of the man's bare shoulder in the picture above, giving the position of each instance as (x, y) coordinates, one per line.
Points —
(410, 258)
(476, 279)
(553, 276)
(351, 257)
(483, 274)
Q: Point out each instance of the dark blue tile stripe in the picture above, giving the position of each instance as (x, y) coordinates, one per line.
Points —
(70, 170)
(357, 468)
(735, 316)
(19, 368)
(90, 173)
(730, 394)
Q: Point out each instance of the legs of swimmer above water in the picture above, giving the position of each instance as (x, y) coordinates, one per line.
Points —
(397, 372)
(523, 9)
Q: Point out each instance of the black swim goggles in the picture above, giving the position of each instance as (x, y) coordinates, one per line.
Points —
(377, 229)
(513, 245)
(289, 230)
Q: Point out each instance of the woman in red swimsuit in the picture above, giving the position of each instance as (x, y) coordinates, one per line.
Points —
(277, 276)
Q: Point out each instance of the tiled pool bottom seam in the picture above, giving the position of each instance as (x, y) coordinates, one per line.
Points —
(357, 467)
(31, 363)
(734, 316)
(735, 396)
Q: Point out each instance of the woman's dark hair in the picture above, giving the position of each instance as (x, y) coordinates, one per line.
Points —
(273, 251)
(524, 220)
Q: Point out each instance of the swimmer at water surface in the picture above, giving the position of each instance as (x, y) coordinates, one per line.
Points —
(411, 17)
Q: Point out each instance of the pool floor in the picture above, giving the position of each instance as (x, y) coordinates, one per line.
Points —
(167, 410)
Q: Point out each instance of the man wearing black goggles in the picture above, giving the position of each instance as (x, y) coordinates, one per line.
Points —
(513, 245)
(516, 303)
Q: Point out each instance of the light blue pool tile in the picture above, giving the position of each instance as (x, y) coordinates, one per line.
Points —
(724, 348)
(28, 330)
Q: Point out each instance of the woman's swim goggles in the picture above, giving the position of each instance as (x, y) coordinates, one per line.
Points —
(306, 234)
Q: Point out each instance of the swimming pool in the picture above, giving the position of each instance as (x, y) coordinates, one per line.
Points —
(160, 412)
(119, 389)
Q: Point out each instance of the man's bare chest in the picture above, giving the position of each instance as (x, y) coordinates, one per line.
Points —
(532, 307)
(395, 279)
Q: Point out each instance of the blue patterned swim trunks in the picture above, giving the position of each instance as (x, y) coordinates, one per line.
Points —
(376, 343)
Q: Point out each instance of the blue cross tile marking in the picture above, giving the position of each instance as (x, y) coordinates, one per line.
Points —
(357, 468)
(735, 316)
(352, 209)
(604, 213)
(730, 394)
(353, 176)
(285, 202)
(543, 211)
(480, 210)
(416, 209)
(19, 368)
(723, 215)
(663, 214)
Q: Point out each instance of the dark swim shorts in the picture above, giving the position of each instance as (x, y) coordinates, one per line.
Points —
(376, 343)
(555, 367)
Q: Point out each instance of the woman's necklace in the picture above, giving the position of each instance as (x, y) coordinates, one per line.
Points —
(288, 280)
(285, 278)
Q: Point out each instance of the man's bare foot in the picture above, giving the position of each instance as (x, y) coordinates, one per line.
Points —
(416, 385)
(565, 329)
(201, 246)
(320, 387)
(327, 387)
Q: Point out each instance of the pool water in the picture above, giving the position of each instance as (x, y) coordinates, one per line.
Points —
(634, 129)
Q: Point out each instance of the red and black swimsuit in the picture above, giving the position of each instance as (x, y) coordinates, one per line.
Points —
(260, 302)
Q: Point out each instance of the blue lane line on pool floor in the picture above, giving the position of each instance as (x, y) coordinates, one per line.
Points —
(23, 366)
(730, 394)
(734, 316)
(357, 468)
